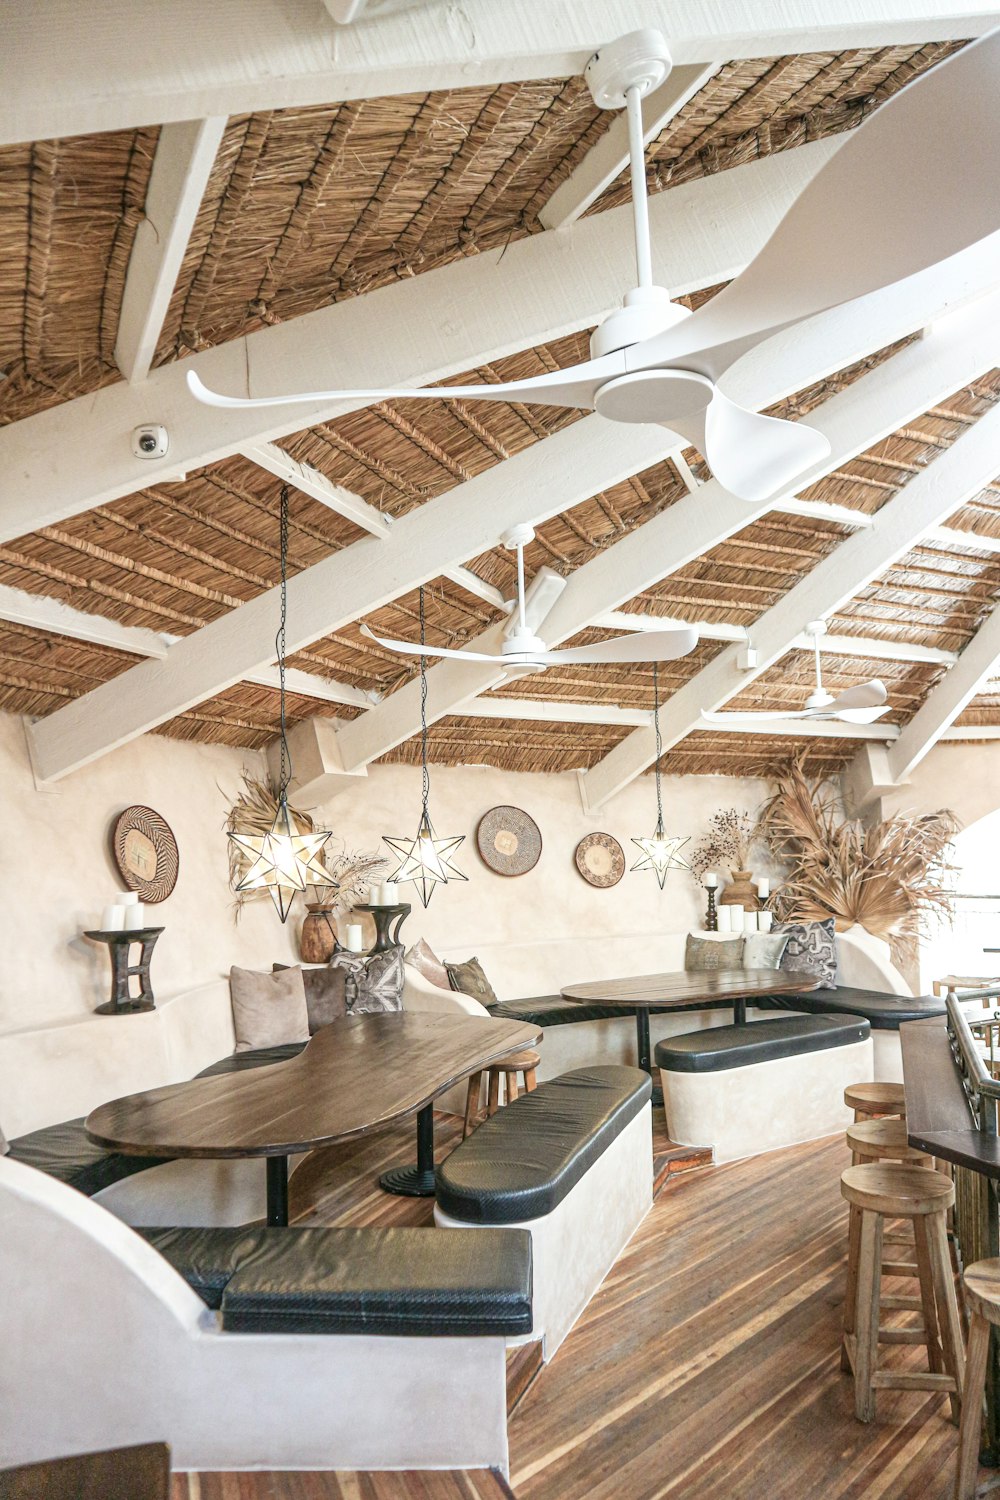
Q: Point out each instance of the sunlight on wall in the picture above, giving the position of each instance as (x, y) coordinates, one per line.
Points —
(959, 949)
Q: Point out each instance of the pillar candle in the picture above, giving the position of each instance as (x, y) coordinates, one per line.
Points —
(711, 880)
(736, 918)
(134, 916)
(354, 939)
(725, 915)
(375, 895)
(387, 893)
(113, 918)
(127, 898)
(749, 921)
(764, 921)
(763, 889)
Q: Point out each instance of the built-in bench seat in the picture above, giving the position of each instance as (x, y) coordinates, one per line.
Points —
(259, 1057)
(785, 1081)
(572, 1163)
(406, 1282)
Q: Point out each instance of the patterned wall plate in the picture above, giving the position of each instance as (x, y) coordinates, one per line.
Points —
(600, 860)
(509, 841)
(145, 852)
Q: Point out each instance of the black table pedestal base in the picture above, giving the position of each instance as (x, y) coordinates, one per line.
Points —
(277, 1192)
(645, 1059)
(415, 1181)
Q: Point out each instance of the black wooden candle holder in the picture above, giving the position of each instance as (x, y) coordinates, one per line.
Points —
(118, 945)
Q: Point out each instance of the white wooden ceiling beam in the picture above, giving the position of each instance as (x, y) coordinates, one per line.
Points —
(809, 729)
(971, 732)
(108, 66)
(608, 158)
(311, 482)
(185, 153)
(540, 482)
(473, 584)
(829, 645)
(945, 702)
(424, 329)
(555, 711)
(925, 502)
(41, 612)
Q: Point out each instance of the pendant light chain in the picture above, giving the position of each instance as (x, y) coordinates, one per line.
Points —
(423, 713)
(285, 774)
(659, 745)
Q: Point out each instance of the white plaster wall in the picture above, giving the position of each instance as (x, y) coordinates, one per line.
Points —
(963, 776)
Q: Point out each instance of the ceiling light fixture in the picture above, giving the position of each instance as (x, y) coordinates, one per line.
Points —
(660, 853)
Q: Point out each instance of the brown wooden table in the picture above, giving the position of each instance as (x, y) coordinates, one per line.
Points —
(355, 1076)
(687, 987)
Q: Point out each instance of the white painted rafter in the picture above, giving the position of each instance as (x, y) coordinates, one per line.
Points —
(540, 711)
(608, 157)
(185, 153)
(311, 482)
(417, 331)
(473, 584)
(945, 702)
(829, 645)
(70, 76)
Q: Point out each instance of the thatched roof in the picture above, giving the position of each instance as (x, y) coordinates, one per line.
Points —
(305, 207)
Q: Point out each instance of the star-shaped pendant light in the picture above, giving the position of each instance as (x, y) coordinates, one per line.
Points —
(660, 853)
(425, 860)
(285, 859)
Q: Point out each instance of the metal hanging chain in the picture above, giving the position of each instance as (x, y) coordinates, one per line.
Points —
(285, 773)
(659, 746)
(423, 713)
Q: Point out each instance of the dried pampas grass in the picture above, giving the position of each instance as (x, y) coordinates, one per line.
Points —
(888, 878)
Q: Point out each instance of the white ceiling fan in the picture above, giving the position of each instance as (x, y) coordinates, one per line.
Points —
(522, 649)
(859, 705)
(915, 183)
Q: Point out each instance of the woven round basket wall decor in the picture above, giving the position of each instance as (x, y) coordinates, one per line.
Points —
(509, 841)
(600, 859)
(145, 852)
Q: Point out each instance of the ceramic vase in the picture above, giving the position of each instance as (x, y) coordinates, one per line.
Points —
(741, 891)
(318, 938)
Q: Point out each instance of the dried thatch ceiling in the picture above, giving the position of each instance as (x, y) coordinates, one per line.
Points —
(309, 206)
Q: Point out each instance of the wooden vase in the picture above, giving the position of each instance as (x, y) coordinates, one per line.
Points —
(318, 938)
(741, 892)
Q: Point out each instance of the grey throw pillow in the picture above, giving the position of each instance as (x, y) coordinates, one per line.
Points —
(373, 982)
(470, 979)
(764, 950)
(326, 999)
(812, 950)
(713, 953)
(426, 962)
(269, 1010)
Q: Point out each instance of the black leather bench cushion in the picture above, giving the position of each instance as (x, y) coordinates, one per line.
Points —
(260, 1057)
(521, 1163)
(553, 1010)
(885, 1012)
(64, 1151)
(722, 1047)
(417, 1282)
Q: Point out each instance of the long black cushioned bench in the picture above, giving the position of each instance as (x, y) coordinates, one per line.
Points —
(723, 1047)
(64, 1151)
(415, 1282)
(522, 1162)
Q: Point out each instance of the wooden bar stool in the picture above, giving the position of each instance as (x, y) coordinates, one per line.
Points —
(982, 1298)
(524, 1062)
(883, 1191)
(869, 1099)
(883, 1139)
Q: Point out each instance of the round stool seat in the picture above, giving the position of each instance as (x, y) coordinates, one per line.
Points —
(515, 1062)
(899, 1191)
(876, 1098)
(883, 1140)
(982, 1289)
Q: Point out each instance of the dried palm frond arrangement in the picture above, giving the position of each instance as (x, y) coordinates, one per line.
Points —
(889, 877)
(727, 844)
(254, 811)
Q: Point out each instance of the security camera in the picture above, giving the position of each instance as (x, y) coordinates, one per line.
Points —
(150, 441)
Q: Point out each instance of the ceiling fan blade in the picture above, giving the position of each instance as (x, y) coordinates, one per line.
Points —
(754, 456)
(752, 718)
(572, 387)
(411, 648)
(861, 715)
(651, 645)
(911, 186)
(866, 695)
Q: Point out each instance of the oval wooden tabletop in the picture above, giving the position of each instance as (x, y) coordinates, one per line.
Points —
(688, 986)
(354, 1076)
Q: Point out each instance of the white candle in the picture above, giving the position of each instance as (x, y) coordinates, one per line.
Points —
(113, 918)
(375, 896)
(387, 895)
(725, 915)
(711, 880)
(764, 921)
(763, 889)
(736, 917)
(127, 898)
(354, 940)
(134, 916)
(749, 921)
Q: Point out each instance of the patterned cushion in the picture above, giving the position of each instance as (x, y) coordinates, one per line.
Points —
(763, 950)
(426, 962)
(713, 953)
(326, 1000)
(470, 979)
(812, 949)
(373, 982)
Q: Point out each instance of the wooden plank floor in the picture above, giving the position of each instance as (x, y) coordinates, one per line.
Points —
(706, 1366)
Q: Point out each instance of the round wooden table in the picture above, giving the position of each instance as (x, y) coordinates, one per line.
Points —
(689, 987)
(355, 1076)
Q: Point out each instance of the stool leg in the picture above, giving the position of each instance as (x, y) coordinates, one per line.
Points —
(493, 1102)
(472, 1103)
(972, 1409)
(947, 1302)
(530, 1082)
(851, 1291)
(867, 1315)
(925, 1272)
(511, 1087)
